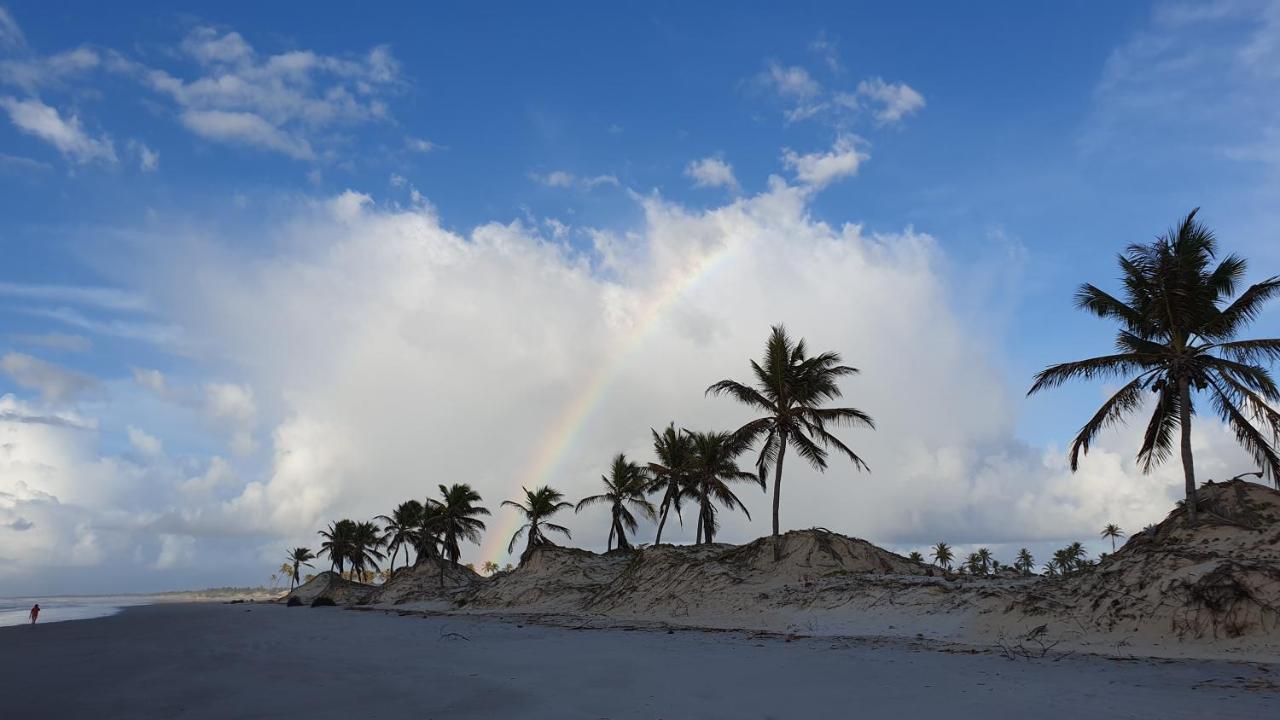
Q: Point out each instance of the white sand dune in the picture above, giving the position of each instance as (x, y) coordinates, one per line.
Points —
(218, 661)
(1208, 591)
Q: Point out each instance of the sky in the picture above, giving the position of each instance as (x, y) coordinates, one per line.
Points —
(260, 270)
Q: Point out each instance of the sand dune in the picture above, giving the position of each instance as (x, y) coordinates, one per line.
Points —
(1212, 590)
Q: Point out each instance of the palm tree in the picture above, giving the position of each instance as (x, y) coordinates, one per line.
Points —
(1112, 531)
(712, 467)
(338, 542)
(670, 473)
(915, 555)
(973, 564)
(297, 558)
(624, 489)
(1025, 562)
(1077, 556)
(455, 520)
(942, 555)
(1051, 567)
(364, 552)
(790, 389)
(538, 506)
(984, 560)
(426, 536)
(403, 522)
(490, 567)
(1178, 339)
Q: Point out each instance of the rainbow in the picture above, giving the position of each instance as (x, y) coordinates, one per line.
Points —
(562, 435)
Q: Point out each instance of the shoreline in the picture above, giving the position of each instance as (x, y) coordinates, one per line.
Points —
(205, 660)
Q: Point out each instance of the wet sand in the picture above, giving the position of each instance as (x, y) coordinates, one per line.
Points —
(268, 661)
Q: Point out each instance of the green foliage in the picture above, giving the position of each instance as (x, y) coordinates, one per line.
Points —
(625, 489)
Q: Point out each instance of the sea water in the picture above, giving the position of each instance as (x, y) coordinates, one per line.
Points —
(16, 611)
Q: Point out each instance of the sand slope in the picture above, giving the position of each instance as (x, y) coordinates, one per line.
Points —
(1212, 590)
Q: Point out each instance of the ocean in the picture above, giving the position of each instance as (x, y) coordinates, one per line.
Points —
(14, 611)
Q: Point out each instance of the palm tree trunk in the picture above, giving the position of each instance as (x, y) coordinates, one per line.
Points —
(1188, 466)
(698, 539)
(777, 492)
(666, 507)
(704, 532)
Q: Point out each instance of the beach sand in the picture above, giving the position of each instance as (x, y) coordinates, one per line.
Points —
(267, 661)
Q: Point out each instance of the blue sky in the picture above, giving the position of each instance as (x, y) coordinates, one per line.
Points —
(163, 170)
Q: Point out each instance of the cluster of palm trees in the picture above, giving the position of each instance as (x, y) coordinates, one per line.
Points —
(1177, 339)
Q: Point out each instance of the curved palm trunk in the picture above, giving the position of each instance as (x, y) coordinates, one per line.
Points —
(621, 532)
(1188, 466)
(704, 527)
(662, 520)
(777, 493)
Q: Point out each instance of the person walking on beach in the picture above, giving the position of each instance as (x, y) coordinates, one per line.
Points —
(35, 613)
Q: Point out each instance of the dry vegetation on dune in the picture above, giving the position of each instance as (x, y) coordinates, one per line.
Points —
(1209, 587)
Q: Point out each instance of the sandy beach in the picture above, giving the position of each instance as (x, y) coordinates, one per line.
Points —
(265, 661)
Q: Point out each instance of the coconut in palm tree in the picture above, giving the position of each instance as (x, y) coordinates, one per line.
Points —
(1177, 340)
(538, 505)
(789, 391)
(625, 489)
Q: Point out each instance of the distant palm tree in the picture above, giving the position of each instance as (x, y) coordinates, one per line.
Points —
(338, 541)
(1075, 552)
(984, 560)
(942, 555)
(915, 556)
(1112, 531)
(1024, 563)
(455, 519)
(399, 530)
(538, 505)
(1051, 567)
(790, 388)
(365, 551)
(298, 557)
(625, 489)
(712, 467)
(674, 450)
(973, 564)
(490, 567)
(1177, 339)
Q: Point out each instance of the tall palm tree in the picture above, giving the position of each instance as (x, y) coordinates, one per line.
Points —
(337, 543)
(1112, 531)
(426, 536)
(670, 473)
(712, 467)
(399, 529)
(365, 550)
(298, 557)
(790, 389)
(1177, 339)
(942, 555)
(1024, 563)
(538, 505)
(456, 519)
(625, 489)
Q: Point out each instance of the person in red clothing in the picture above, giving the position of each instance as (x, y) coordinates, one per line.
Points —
(35, 613)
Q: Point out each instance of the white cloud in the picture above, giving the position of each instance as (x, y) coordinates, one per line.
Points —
(820, 169)
(11, 37)
(152, 380)
(145, 443)
(102, 297)
(712, 172)
(55, 384)
(66, 134)
(896, 100)
(31, 73)
(233, 406)
(245, 128)
(792, 82)
(275, 102)
(56, 341)
(420, 145)
(148, 159)
(563, 179)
